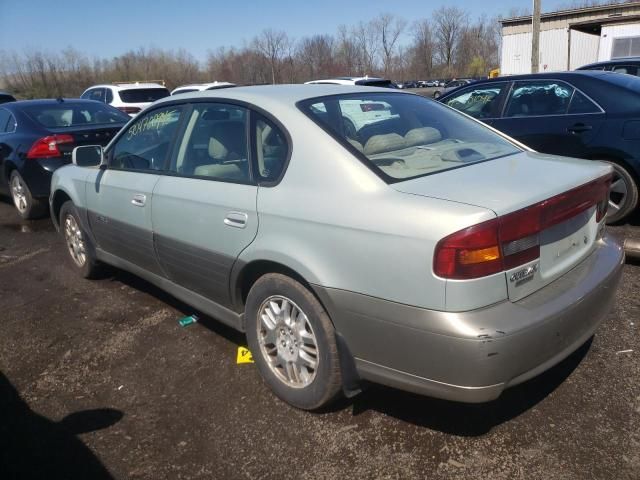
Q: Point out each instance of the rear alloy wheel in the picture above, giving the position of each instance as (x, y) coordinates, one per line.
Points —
(437, 95)
(623, 196)
(27, 206)
(293, 342)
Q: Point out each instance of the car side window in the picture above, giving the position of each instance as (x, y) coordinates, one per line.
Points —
(539, 98)
(628, 69)
(271, 149)
(581, 104)
(214, 144)
(96, 94)
(146, 144)
(479, 102)
(5, 116)
(109, 98)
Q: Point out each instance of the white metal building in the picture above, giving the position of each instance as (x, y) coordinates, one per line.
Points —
(572, 38)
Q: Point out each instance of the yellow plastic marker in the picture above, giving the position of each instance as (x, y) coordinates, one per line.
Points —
(244, 356)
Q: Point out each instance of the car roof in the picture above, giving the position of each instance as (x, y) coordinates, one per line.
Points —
(346, 80)
(127, 86)
(50, 101)
(205, 85)
(279, 94)
(549, 75)
(613, 62)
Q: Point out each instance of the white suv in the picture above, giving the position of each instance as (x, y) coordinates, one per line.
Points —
(130, 98)
(199, 87)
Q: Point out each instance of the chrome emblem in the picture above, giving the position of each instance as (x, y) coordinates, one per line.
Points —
(524, 274)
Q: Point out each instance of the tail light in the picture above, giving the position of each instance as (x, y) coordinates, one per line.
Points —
(47, 147)
(514, 239)
(130, 110)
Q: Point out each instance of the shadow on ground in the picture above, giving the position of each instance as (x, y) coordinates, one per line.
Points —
(34, 447)
(467, 419)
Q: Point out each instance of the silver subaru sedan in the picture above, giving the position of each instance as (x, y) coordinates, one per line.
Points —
(353, 233)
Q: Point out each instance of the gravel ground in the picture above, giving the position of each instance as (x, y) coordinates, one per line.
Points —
(98, 380)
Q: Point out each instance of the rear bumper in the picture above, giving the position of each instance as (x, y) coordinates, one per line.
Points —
(473, 356)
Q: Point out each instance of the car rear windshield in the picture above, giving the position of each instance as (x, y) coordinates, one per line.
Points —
(143, 95)
(402, 136)
(66, 114)
(377, 83)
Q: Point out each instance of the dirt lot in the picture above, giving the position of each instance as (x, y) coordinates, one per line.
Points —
(98, 380)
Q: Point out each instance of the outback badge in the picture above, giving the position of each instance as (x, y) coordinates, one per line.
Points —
(524, 274)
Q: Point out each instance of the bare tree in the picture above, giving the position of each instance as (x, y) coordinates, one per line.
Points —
(389, 29)
(273, 45)
(365, 36)
(422, 51)
(449, 23)
(316, 55)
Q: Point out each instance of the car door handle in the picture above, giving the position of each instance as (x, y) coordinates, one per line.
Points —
(579, 128)
(236, 219)
(139, 200)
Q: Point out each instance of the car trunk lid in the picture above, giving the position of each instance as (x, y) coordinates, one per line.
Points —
(568, 226)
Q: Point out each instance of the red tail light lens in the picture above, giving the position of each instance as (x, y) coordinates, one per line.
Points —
(130, 110)
(47, 147)
(514, 239)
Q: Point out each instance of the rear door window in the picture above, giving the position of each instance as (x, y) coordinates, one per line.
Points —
(214, 144)
(271, 149)
(143, 95)
(538, 98)
(581, 104)
(5, 116)
(479, 102)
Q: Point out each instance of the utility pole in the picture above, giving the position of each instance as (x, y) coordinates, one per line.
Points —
(535, 37)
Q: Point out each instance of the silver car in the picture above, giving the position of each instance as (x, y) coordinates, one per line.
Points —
(424, 251)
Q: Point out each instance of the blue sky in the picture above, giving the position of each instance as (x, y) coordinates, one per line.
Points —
(105, 28)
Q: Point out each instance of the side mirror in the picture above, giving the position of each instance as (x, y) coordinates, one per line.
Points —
(88, 156)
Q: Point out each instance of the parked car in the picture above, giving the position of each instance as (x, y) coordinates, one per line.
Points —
(199, 87)
(6, 97)
(628, 65)
(38, 136)
(361, 81)
(586, 114)
(128, 97)
(450, 86)
(427, 252)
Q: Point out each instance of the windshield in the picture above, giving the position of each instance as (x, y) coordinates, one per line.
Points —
(66, 114)
(143, 95)
(405, 136)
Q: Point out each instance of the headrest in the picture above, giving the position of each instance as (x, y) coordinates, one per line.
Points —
(212, 115)
(422, 136)
(384, 143)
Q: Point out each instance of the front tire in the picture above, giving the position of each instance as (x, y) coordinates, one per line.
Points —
(623, 196)
(293, 342)
(80, 250)
(27, 206)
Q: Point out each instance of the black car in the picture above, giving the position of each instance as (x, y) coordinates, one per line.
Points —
(593, 115)
(6, 97)
(38, 136)
(628, 65)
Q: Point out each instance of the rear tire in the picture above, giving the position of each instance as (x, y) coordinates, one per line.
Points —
(623, 197)
(80, 251)
(437, 95)
(293, 342)
(27, 206)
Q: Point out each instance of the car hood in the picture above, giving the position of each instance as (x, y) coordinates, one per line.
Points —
(506, 184)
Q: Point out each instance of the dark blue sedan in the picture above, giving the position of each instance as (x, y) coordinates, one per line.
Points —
(38, 136)
(593, 115)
